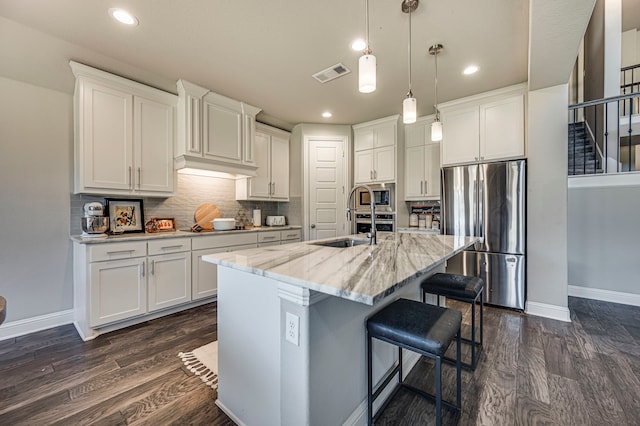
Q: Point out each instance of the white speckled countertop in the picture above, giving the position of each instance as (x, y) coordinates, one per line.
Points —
(153, 235)
(363, 273)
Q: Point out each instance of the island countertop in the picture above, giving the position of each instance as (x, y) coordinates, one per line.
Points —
(364, 273)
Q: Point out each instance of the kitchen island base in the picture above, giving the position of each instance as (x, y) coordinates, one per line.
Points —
(266, 379)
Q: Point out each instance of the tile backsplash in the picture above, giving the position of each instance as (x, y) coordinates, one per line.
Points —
(191, 192)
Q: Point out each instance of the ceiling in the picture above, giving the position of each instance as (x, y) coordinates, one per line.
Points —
(264, 52)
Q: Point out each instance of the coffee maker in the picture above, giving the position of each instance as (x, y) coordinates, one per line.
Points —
(94, 223)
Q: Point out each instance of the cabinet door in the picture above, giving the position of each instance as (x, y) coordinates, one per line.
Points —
(502, 129)
(432, 170)
(363, 166)
(259, 185)
(118, 290)
(384, 135)
(363, 139)
(205, 274)
(153, 142)
(169, 280)
(222, 131)
(415, 135)
(105, 145)
(279, 168)
(460, 135)
(384, 164)
(414, 172)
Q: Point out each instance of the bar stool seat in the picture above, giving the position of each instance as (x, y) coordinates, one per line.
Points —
(3, 309)
(418, 327)
(465, 289)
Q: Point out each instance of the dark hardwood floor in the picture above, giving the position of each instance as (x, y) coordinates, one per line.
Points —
(533, 371)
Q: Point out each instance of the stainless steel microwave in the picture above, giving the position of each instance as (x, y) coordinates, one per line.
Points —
(384, 197)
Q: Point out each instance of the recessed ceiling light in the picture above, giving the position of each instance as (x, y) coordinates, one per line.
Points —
(123, 16)
(359, 45)
(470, 70)
(327, 114)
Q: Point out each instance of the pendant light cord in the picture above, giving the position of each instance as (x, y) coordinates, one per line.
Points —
(436, 85)
(366, 27)
(410, 94)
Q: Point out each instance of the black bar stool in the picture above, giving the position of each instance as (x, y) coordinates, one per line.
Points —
(465, 289)
(418, 327)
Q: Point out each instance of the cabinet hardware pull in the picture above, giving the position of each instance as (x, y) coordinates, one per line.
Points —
(269, 238)
(371, 174)
(425, 187)
(120, 251)
(139, 177)
(153, 267)
(143, 269)
(375, 174)
(171, 247)
(421, 184)
(130, 177)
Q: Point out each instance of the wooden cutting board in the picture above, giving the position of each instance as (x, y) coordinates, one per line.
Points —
(205, 213)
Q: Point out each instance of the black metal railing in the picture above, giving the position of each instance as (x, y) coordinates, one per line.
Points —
(604, 134)
(630, 83)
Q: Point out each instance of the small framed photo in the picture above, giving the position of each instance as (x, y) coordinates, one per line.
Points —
(162, 224)
(125, 215)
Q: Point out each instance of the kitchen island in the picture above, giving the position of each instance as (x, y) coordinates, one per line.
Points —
(291, 324)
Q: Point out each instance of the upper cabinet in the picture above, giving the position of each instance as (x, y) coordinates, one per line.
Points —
(124, 135)
(215, 133)
(486, 127)
(375, 145)
(421, 162)
(271, 153)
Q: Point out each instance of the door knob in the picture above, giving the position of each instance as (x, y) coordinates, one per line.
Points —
(313, 225)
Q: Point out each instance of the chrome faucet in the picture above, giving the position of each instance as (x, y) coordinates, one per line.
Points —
(372, 235)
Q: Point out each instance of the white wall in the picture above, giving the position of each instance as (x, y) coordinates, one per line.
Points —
(547, 202)
(36, 130)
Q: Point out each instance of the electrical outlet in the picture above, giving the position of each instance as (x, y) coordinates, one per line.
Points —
(292, 329)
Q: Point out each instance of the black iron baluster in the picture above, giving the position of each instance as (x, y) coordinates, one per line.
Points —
(629, 133)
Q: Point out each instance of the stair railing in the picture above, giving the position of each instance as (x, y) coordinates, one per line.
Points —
(613, 124)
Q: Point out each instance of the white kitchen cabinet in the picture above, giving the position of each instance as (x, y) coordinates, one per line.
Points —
(291, 236)
(271, 155)
(169, 277)
(124, 136)
(204, 274)
(215, 133)
(485, 127)
(375, 150)
(422, 162)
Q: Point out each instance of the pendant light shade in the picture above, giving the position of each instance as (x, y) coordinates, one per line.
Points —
(367, 73)
(436, 126)
(436, 131)
(409, 110)
(367, 62)
(410, 104)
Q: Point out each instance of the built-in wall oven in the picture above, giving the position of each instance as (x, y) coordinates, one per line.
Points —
(385, 222)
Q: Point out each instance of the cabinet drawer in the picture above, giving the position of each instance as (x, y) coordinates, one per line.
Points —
(227, 240)
(268, 237)
(113, 251)
(169, 245)
(293, 234)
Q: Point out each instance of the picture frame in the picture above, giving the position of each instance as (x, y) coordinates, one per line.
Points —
(161, 224)
(125, 215)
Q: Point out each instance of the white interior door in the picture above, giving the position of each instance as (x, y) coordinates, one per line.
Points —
(327, 189)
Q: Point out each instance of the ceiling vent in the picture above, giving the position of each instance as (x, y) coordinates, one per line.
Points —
(331, 73)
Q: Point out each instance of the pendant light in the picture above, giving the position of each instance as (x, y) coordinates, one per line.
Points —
(436, 126)
(367, 62)
(409, 105)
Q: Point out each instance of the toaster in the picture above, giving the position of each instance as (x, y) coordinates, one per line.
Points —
(275, 221)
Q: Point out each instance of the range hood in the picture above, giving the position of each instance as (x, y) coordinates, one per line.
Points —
(215, 134)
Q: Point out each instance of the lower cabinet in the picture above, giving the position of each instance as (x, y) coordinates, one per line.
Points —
(169, 280)
(204, 281)
(118, 290)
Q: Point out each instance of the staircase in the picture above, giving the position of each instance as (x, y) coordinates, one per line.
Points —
(583, 158)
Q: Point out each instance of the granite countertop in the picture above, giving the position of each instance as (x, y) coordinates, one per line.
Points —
(176, 234)
(363, 273)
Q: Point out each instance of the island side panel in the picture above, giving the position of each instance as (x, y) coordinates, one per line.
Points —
(338, 369)
(248, 347)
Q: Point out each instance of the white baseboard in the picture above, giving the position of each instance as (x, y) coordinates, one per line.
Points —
(359, 415)
(12, 329)
(605, 295)
(229, 413)
(560, 313)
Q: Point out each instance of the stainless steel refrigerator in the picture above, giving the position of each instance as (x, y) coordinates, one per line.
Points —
(488, 200)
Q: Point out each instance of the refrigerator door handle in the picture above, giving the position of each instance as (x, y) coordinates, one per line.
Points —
(480, 203)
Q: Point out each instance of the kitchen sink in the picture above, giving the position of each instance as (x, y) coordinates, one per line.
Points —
(342, 243)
